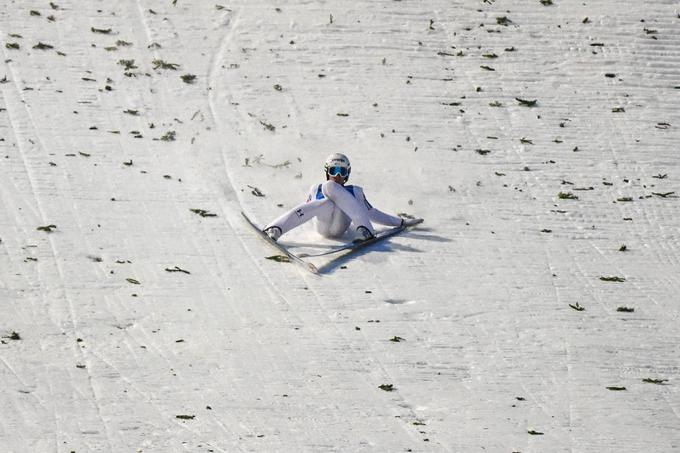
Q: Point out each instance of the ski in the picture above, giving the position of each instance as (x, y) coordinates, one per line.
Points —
(292, 257)
(354, 246)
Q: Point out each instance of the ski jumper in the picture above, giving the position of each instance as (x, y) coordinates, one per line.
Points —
(335, 207)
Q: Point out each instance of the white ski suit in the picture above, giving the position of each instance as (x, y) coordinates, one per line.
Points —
(335, 207)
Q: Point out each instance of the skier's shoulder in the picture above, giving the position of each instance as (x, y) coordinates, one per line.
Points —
(354, 189)
(315, 192)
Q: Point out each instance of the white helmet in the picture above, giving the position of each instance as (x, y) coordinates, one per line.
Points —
(337, 164)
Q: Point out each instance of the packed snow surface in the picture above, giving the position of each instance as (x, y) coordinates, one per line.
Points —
(535, 310)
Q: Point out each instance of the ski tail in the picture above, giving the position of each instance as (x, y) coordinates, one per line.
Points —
(361, 244)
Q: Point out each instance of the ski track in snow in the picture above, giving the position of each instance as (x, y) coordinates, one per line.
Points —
(254, 355)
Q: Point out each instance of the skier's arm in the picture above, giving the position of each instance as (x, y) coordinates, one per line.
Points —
(382, 218)
(376, 215)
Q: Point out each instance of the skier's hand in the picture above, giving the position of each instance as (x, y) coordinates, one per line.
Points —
(411, 222)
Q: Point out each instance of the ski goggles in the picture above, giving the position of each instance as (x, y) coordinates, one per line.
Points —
(337, 170)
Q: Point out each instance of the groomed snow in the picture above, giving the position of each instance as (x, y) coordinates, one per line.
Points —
(135, 324)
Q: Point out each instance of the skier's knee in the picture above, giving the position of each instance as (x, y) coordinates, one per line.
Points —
(330, 188)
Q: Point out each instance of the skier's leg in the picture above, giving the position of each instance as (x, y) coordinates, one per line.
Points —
(356, 210)
(301, 214)
(332, 223)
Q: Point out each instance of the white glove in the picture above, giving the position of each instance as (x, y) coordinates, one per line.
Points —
(411, 222)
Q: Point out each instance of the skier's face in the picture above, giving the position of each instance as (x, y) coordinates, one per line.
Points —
(337, 178)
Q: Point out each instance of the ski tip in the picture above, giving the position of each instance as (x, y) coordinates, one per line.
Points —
(312, 268)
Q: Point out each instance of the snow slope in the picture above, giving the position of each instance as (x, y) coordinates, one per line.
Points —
(108, 346)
